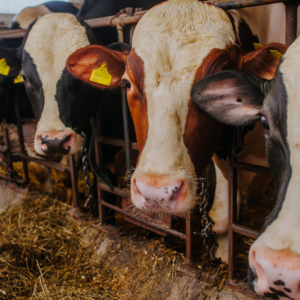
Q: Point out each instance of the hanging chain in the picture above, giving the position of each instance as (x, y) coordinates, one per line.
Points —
(208, 236)
(89, 194)
(240, 146)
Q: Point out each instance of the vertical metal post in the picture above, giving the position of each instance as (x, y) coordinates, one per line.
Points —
(74, 180)
(8, 148)
(232, 213)
(20, 134)
(189, 238)
(98, 154)
(125, 111)
(291, 22)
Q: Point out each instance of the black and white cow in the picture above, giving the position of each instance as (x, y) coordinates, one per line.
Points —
(238, 99)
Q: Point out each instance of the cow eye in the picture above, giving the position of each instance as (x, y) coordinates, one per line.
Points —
(264, 123)
(127, 84)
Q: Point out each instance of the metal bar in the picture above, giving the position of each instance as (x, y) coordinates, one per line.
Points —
(189, 238)
(45, 162)
(232, 214)
(246, 3)
(27, 120)
(125, 111)
(291, 22)
(8, 151)
(251, 168)
(245, 231)
(116, 142)
(98, 155)
(144, 221)
(20, 181)
(74, 180)
(124, 193)
(20, 134)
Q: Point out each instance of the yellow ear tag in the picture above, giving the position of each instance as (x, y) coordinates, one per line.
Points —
(275, 54)
(19, 79)
(101, 75)
(257, 46)
(4, 67)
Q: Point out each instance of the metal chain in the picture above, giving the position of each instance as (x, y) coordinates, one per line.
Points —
(89, 193)
(208, 236)
(240, 146)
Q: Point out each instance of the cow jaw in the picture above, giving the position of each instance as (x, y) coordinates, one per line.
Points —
(172, 52)
(50, 42)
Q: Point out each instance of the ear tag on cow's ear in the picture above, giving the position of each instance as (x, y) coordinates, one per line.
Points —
(275, 54)
(101, 75)
(19, 79)
(257, 46)
(4, 67)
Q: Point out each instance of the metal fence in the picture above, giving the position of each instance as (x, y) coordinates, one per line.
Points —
(129, 17)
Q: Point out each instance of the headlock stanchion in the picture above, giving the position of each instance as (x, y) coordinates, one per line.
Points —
(161, 225)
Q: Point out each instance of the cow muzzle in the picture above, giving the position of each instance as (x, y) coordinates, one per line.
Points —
(157, 193)
(277, 271)
(57, 142)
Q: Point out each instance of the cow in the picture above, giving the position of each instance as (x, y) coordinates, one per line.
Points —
(240, 99)
(175, 139)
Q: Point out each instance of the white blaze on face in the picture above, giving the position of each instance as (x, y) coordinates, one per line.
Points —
(172, 39)
(52, 39)
(283, 232)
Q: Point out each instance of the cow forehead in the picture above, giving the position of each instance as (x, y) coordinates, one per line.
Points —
(50, 42)
(172, 39)
(283, 232)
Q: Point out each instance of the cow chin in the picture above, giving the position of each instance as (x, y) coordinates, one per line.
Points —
(171, 194)
(65, 142)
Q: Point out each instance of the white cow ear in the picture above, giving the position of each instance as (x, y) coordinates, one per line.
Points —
(232, 97)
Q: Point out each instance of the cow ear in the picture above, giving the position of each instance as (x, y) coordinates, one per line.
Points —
(263, 62)
(98, 66)
(231, 97)
(10, 63)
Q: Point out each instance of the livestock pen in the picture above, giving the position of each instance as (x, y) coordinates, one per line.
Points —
(162, 225)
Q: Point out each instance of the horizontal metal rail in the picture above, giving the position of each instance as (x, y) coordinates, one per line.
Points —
(116, 142)
(245, 231)
(144, 221)
(124, 19)
(251, 168)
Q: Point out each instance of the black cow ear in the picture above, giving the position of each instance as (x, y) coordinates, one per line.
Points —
(120, 47)
(232, 97)
(10, 63)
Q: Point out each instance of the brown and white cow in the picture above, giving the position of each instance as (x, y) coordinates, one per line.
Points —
(174, 45)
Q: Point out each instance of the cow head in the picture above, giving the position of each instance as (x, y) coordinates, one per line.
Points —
(174, 45)
(61, 103)
(238, 99)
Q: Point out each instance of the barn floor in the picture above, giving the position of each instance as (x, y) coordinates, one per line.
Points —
(45, 254)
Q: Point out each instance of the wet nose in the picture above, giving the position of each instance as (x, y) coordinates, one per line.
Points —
(153, 198)
(55, 144)
(278, 273)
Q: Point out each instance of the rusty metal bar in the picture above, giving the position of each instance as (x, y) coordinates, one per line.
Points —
(20, 181)
(74, 180)
(20, 134)
(251, 168)
(8, 148)
(245, 231)
(232, 214)
(291, 22)
(25, 120)
(124, 193)
(144, 221)
(189, 238)
(45, 162)
(116, 142)
(247, 3)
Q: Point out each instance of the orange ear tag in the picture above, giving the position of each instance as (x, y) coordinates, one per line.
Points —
(101, 75)
(275, 54)
(19, 79)
(4, 67)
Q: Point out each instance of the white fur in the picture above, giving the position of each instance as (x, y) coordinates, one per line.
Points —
(283, 232)
(172, 39)
(53, 38)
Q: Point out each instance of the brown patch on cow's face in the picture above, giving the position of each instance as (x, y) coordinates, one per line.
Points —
(136, 98)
